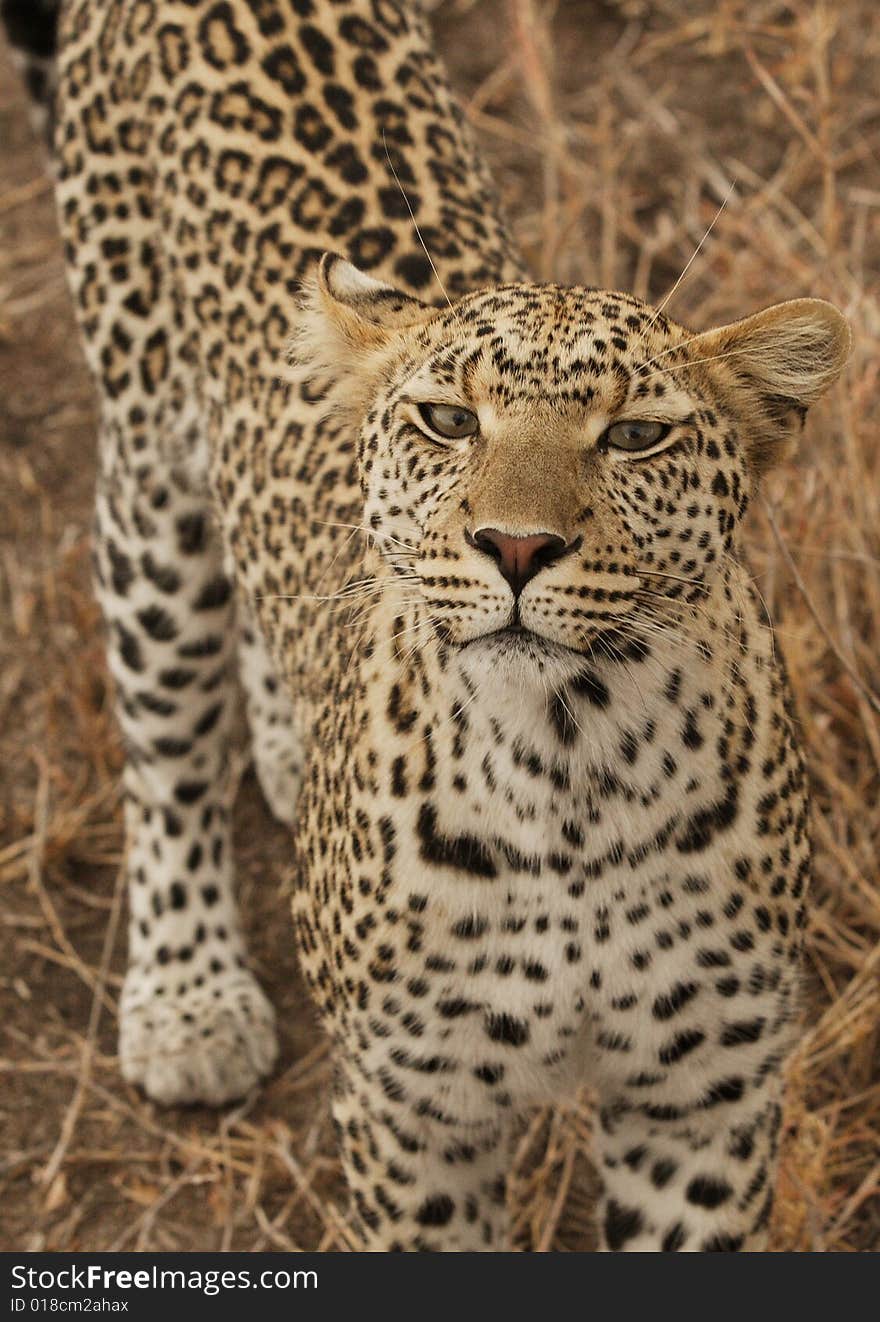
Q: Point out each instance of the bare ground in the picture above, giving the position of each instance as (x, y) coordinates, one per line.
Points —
(615, 131)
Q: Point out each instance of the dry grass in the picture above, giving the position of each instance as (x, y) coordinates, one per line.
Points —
(616, 131)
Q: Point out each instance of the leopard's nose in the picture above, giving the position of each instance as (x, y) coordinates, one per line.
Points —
(519, 559)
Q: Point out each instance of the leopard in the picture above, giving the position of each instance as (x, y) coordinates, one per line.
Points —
(471, 545)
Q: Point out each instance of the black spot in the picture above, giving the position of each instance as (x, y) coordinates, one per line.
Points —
(459, 851)
(681, 1045)
(173, 824)
(151, 702)
(283, 67)
(165, 578)
(505, 1028)
(219, 52)
(673, 686)
(747, 1030)
(469, 928)
(701, 828)
(690, 735)
(206, 723)
(562, 720)
(360, 33)
(662, 1172)
(190, 791)
(214, 594)
(621, 1224)
(122, 572)
(456, 1007)
(726, 1090)
(436, 1211)
(130, 649)
(177, 895)
(371, 246)
(670, 1003)
(366, 73)
(629, 747)
(398, 778)
(588, 685)
(191, 531)
(31, 26)
(402, 718)
(704, 1191)
(172, 747)
(414, 269)
(210, 645)
(674, 1238)
(157, 623)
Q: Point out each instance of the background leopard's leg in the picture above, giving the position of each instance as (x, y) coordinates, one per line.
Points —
(275, 741)
(418, 1180)
(699, 1182)
(194, 1025)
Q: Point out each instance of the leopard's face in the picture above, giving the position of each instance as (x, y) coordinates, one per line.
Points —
(558, 471)
(544, 478)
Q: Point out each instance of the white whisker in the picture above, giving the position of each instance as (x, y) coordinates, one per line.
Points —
(693, 257)
(416, 227)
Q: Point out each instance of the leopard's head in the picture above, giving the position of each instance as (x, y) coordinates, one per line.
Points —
(549, 464)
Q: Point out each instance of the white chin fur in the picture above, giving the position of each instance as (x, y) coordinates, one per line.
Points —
(519, 663)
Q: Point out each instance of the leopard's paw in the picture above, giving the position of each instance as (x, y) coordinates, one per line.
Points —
(210, 1044)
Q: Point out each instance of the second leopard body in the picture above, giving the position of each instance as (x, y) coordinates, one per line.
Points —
(481, 544)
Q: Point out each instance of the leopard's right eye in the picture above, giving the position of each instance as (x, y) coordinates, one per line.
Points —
(633, 435)
(450, 420)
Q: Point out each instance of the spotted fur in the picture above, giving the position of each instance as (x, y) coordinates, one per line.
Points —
(552, 826)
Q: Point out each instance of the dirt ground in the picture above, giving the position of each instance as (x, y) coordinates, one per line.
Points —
(615, 131)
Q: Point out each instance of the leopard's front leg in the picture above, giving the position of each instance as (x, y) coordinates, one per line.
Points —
(689, 1064)
(194, 1024)
(700, 1183)
(429, 1064)
(420, 1177)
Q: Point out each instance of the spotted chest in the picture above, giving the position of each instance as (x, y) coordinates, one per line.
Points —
(500, 929)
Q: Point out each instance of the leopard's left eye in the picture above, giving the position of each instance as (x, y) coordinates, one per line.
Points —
(451, 420)
(634, 435)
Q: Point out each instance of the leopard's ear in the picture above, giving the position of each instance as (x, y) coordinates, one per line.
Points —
(359, 303)
(776, 364)
(347, 321)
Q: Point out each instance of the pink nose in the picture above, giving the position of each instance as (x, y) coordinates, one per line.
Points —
(520, 558)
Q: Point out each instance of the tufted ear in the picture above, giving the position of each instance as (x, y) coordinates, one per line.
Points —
(357, 302)
(347, 324)
(776, 363)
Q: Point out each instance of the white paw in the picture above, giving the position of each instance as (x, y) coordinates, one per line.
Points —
(279, 773)
(198, 1047)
